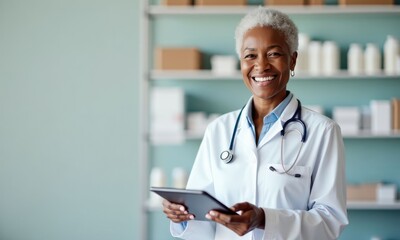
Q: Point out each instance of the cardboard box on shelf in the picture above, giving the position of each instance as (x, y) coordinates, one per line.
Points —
(284, 2)
(177, 2)
(366, 2)
(396, 114)
(219, 2)
(177, 59)
(315, 2)
(362, 192)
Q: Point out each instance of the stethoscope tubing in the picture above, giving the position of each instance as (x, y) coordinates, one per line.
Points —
(227, 155)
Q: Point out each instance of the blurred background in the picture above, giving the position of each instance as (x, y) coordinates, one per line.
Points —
(69, 98)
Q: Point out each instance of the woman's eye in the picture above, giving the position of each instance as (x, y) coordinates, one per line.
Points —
(249, 56)
(274, 54)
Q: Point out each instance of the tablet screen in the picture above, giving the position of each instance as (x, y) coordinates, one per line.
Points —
(197, 202)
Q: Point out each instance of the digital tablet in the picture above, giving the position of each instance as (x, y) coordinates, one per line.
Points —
(197, 202)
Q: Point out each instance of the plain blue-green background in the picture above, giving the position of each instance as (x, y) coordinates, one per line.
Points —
(69, 119)
(69, 114)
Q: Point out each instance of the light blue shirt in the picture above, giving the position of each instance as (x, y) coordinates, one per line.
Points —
(270, 119)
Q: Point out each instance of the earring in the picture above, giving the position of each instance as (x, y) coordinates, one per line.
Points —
(292, 73)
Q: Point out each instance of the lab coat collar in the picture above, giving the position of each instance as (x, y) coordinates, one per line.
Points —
(277, 127)
(243, 120)
(289, 110)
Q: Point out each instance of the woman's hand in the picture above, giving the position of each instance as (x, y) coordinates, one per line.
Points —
(176, 212)
(250, 217)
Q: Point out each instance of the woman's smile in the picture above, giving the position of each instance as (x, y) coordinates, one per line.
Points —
(263, 79)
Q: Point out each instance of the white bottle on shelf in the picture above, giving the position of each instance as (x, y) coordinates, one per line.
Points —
(179, 177)
(331, 57)
(315, 57)
(302, 57)
(372, 59)
(355, 59)
(398, 65)
(390, 52)
(157, 179)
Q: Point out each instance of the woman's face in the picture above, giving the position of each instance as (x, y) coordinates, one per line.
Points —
(266, 63)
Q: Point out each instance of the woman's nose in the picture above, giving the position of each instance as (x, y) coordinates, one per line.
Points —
(262, 64)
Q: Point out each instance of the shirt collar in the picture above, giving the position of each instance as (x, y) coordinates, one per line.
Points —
(272, 116)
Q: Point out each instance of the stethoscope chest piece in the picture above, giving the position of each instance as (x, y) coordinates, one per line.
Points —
(226, 156)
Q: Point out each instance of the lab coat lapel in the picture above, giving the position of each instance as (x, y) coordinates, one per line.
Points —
(245, 135)
(278, 125)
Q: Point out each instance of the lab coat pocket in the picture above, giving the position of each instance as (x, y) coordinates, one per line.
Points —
(289, 189)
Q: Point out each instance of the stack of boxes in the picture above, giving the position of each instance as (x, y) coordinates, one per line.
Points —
(348, 118)
(382, 117)
(372, 192)
(167, 115)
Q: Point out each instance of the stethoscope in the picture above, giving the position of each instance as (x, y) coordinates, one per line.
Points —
(227, 155)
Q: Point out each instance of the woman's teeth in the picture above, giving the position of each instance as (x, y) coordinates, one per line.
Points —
(263, 79)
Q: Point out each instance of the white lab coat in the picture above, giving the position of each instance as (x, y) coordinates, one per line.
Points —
(310, 207)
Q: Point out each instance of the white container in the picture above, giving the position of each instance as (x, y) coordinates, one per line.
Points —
(331, 57)
(348, 118)
(197, 122)
(179, 177)
(157, 179)
(381, 116)
(386, 193)
(390, 52)
(167, 115)
(355, 59)
(302, 57)
(224, 65)
(372, 57)
(315, 58)
(398, 65)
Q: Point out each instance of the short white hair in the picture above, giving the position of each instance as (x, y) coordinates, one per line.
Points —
(264, 17)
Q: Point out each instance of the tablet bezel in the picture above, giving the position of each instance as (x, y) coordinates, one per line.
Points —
(197, 202)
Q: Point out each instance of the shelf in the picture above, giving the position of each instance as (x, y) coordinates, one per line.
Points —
(373, 205)
(359, 135)
(192, 75)
(294, 10)
(363, 134)
(352, 205)
(209, 75)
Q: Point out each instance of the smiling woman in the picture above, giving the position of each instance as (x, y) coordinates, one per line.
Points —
(266, 62)
(274, 186)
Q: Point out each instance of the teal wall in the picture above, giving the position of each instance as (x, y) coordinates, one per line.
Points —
(69, 119)
(368, 160)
